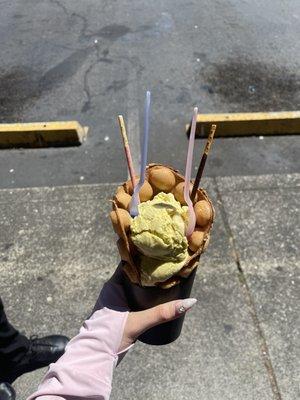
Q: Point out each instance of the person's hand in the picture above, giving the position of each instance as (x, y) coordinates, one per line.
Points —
(140, 321)
(86, 368)
(113, 296)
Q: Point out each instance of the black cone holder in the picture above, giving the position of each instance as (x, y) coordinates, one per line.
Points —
(140, 298)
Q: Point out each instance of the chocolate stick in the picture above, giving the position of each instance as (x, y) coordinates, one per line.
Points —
(203, 161)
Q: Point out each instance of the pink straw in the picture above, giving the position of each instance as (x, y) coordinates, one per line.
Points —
(187, 179)
(127, 150)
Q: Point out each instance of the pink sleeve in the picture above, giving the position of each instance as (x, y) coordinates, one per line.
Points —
(85, 370)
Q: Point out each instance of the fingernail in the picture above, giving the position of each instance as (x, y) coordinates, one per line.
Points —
(184, 305)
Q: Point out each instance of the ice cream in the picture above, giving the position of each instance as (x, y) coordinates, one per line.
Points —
(154, 271)
(152, 246)
(159, 234)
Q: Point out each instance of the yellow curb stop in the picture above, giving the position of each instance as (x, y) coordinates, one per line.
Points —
(42, 134)
(249, 124)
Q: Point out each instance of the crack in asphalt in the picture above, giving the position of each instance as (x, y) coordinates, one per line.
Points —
(83, 31)
(70, 64)
(116, 85)
(84, 34)
(86, 89)
(60, 5)
(71, 14)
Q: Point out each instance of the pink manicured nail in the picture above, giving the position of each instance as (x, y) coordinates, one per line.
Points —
(184, 305)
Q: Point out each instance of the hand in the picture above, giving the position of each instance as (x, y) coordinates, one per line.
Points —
(86, 368)
(113, 296)
(140, 321)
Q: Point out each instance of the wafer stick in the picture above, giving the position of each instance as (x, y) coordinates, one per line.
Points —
(203, 161)
(127, 150)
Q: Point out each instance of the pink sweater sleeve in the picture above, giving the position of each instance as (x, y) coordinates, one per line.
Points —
(85, 370)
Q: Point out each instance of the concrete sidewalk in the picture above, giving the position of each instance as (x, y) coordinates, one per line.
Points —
(242, 339)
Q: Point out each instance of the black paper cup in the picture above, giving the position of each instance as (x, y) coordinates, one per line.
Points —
(140, 298)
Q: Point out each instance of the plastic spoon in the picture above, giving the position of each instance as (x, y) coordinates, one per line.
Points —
(187, 179)
(135, 197)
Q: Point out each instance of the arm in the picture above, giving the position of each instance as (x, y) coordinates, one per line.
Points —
(86, 368)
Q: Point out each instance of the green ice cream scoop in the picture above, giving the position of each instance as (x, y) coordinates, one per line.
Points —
(159, 234)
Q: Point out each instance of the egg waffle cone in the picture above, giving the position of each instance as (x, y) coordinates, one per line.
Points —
(160, 178)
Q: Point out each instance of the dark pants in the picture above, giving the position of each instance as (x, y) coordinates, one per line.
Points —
(13, 345)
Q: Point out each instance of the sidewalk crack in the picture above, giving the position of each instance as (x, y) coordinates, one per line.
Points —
(249, 300)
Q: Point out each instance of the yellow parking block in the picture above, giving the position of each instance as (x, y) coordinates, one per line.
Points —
(42, 134)
(249, 124)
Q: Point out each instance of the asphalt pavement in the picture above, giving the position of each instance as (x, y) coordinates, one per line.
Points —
(92, 60)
